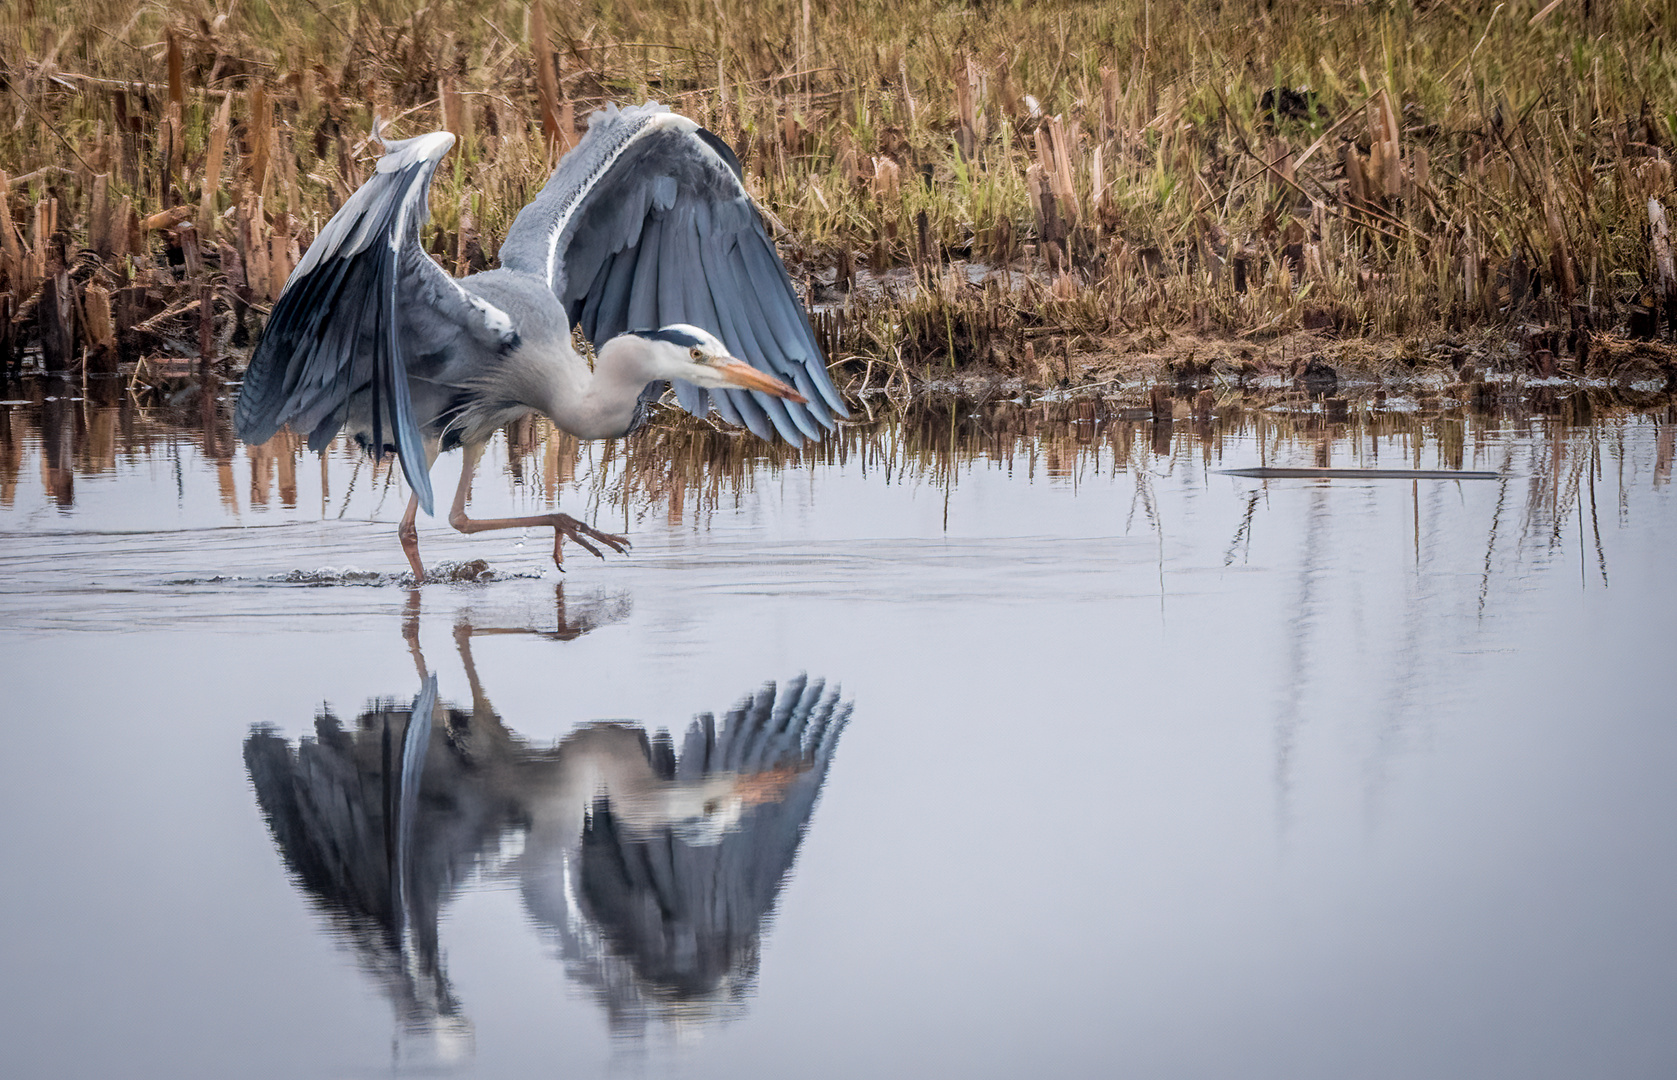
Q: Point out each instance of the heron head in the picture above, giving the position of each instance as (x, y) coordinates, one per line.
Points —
(701, 812)
(693, 355)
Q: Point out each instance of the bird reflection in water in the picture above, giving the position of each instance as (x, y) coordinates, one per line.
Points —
(652, 866)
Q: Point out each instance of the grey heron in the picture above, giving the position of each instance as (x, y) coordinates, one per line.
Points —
(652, 864)
(644, 239)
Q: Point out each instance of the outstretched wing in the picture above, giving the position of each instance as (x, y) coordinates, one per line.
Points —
(646, 223)
(362, 301)
(687, 914)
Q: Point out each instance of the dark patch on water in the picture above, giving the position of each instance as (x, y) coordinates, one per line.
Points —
(452, 572)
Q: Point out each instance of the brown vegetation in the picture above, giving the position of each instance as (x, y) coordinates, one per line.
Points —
(683, 469)
(1062, 193)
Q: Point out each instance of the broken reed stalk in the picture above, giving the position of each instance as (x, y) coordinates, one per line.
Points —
(555, 119)
(11, 249)
(1418, 202)
(1665, 266)
(212, 170)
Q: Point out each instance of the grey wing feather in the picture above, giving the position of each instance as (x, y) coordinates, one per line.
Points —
(646, 223)
(363, 296)
(688, 915)
(796, 726)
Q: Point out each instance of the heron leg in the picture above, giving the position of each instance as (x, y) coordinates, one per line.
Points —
(408, 533)
(564, 525)
(463, 642)
(410, 632)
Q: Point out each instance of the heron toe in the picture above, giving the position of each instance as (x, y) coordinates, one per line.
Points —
(565, 526)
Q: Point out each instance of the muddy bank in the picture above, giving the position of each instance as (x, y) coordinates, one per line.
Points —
(976, 328)
(1159, 365)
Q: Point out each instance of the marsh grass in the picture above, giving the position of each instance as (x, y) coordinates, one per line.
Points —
(1052, 191)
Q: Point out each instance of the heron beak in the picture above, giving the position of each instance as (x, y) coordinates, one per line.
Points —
(743, 374)
(765, 787)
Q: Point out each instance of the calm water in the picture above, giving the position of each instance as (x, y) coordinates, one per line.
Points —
(1080, 757)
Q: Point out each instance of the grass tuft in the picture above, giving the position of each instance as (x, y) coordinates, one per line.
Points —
(997, 186)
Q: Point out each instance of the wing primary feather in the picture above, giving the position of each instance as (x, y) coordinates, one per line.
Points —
(339, 328)
(697, 299)
(791, 321)
(735, 406)
(787, 324)
(607, 312)
(767, 279)
(614, 304)
(787, 317)
(674, 267)
(751, 413)
(731, 305)
(748, 748)
(722, 759)
(410, 444)
(585, 312)
(646, 223)
(643, 291)
(695, 400)
(774, 407)
(381, 362)
(838, 715)
(781, 736)
(698, 748)
(736, 334)
(296, 317)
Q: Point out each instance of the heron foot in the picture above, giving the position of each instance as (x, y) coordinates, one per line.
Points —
(567, 527)
(564, 527)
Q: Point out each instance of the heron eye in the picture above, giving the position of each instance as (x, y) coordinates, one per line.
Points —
(697, 355)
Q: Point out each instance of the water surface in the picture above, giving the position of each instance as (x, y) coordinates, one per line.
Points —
(1081, 757)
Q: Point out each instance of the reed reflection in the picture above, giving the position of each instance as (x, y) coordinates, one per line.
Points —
(653, 863)
(685, 470)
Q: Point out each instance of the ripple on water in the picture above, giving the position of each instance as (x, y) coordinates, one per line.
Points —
(452, 572)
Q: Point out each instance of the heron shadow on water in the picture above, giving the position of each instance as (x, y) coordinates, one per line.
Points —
(653, 866)
(644, 242)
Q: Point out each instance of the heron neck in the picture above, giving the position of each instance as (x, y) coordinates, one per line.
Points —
(600, 404)
(600, 759)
